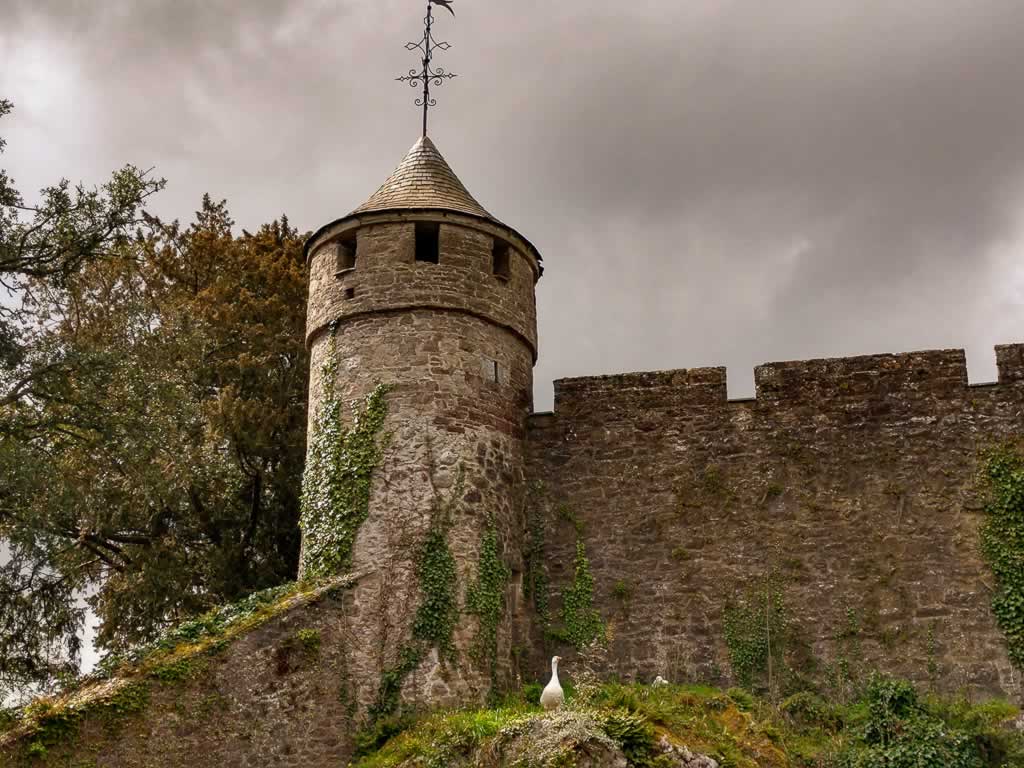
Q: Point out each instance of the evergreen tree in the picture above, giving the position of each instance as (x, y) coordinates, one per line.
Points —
(152, 417)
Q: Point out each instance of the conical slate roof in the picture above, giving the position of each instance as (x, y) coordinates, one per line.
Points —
(423, 180)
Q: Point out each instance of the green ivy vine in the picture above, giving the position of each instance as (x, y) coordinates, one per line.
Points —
(755, 627)
(582, 622)
(535, 582)
(337, 480)
(392, 678)
(1002, 542)
(438, 612)
(435, 569)
(486, 598)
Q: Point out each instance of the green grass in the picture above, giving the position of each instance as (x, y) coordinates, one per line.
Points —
(886, 728)
(444, 737)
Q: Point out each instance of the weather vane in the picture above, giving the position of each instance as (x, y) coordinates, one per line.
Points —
(428, 74)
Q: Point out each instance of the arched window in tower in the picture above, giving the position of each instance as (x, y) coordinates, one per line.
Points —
(427, 246)
(500, 261)
(345, 255)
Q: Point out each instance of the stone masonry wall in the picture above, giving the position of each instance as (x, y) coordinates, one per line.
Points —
(264, 700)
(855, 480)
(443, 415)
(387, 277)
(455, 344)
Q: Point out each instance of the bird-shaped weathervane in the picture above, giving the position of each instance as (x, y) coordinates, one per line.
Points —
(428, 74)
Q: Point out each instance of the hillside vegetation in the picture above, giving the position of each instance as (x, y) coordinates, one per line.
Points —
(890, 726)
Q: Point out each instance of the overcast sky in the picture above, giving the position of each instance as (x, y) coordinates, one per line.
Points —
(711, 182)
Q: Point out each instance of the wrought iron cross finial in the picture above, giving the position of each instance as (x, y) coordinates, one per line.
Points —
(428, 74)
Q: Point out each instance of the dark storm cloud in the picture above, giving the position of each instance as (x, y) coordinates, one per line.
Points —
(710, 182)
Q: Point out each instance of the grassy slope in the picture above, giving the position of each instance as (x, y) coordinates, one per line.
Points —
(736, 729)
(120, 686)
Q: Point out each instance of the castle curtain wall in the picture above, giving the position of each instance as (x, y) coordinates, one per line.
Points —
(854, 480)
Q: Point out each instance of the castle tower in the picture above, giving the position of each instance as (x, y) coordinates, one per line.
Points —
(422, 297)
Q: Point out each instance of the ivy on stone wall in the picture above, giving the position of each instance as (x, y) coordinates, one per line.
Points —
(845, 673)
(535, 581)
(1002, 542)
(438, 612)
(337, 481)
(486, 598)
(755, 627)
(392, 678)
(582, 622)
(435, 569)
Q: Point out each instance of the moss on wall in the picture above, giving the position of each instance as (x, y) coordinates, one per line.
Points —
(124, 687)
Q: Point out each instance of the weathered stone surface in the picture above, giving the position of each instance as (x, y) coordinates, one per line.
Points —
(855, 479)
(455, 344)
(683, 757)
(388, 278)
(241, 707)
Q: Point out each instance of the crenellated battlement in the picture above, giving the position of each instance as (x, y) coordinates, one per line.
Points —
(477, 538)
(854, 479)
(912, 378)
(690, 387)
(1010, 362)
(913, 374)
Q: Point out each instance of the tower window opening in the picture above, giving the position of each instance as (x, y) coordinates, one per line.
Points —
(345, 255)
(350, 293)
(491, 370)
(427, 246)
(500, 260)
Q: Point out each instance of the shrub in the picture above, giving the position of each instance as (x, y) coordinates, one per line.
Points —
(531, 693)
(632, 732)
(378, 733)
(890, 704)
(743, 700)
(903, 732)
(808, 709)
(921, 743)
(890, 726)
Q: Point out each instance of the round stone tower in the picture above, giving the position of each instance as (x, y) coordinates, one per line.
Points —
(422, 297)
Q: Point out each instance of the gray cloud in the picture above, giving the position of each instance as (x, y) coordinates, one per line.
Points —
(710, 182)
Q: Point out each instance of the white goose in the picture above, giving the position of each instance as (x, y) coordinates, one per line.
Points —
(552, 696)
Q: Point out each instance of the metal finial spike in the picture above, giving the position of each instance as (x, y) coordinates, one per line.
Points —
(427, 74)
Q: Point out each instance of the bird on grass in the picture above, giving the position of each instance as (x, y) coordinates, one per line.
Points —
(552, 696)
(659, 681)
(445, 4)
